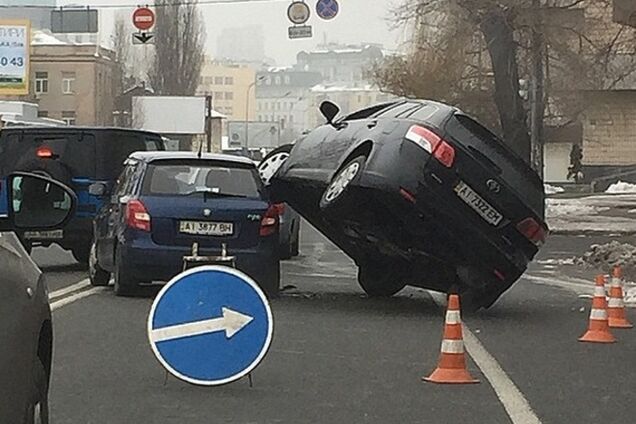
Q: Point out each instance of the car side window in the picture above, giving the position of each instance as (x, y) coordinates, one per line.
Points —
(125, 181)
(424, 113)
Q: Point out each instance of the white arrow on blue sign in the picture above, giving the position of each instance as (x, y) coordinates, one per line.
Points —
(327, 9)
(210, 325)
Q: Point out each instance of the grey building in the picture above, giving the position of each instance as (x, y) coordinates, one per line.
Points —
(341, 63)
(282, 97)
(242, 44)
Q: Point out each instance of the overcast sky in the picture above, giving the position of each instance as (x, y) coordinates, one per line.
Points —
(358, 21)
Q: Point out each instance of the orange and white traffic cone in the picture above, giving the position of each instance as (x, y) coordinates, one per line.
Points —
(615, 306)
(598, 331)
(452, 362)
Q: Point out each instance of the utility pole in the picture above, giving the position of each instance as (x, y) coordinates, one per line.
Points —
(208, 121)
(537, 101)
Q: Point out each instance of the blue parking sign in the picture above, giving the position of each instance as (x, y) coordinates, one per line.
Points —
(210, 325)
(327, 9)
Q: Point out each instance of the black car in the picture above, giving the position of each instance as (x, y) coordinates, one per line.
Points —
(35, 203)
(78, 157)
(418, 193)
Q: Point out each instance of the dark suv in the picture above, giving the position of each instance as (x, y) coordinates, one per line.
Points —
(78, 157)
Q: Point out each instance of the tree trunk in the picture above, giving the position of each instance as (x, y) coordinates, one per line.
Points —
(503, 54)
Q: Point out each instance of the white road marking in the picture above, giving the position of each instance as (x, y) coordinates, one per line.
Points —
(231, 322)
(75, 297)
(513, 401)
(70, 289)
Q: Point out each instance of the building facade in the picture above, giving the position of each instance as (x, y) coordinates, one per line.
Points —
(282, 97)
(71, 82)
(338, 63)
(232, 88)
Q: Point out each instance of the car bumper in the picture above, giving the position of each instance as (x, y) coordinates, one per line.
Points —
(151, 262)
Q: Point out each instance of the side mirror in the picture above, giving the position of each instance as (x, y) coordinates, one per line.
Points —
(39, 203)
(98, 189)
(329, 110)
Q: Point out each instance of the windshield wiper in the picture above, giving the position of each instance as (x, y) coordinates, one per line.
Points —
(211, 193)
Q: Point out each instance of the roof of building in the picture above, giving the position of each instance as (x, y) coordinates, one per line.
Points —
(163, 155)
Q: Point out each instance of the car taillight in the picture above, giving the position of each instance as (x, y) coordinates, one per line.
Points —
(433, 144)
(269, 223)
(44, 153)
(532, 230)
(137, 216)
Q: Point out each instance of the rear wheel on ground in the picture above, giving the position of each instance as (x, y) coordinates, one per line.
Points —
(125, 284)
(96, 274)
(38, 411)
(270, 280)
(335, 194)
(379, 281)
(81, 253)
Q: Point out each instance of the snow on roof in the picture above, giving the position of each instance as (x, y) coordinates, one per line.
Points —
(41, 38)
(280, 69)
(322, 88)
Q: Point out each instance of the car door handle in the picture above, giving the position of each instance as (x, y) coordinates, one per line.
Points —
(372, 124)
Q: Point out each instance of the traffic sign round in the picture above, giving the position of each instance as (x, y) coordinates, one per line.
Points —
(298, 12)
(210, 325)
(327, 9)
(143, 18)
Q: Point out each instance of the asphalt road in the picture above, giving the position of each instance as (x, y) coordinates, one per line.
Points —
(338, 357)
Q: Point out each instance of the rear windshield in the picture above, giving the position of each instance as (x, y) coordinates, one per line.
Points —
(74, 150)
(517, 174)
(216, 178)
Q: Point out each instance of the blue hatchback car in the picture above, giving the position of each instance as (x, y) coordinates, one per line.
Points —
(164, 202)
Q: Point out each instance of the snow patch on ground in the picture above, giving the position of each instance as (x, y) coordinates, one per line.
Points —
(600, 214)
(552, 262)
(549, 189)
(570, 207)
(621, 187)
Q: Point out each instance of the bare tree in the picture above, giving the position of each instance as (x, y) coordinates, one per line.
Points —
(179, 44)
(591, 55)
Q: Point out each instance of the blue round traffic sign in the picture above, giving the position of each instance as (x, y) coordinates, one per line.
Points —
(210, 325)
(327, 9)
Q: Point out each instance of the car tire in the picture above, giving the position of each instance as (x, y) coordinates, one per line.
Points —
(81, 253)
(295, 245)
(38, 412)
(125, 285)
(272, 162)
(334, 195)
(379, 281)
(270, 280)
(98, 277)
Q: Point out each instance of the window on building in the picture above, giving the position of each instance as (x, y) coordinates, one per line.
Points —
(268, 81)
(41, 82)
(218, 80)
(43, 114)
(229, 110)
(287, 80)
(68, 116)
(229, 80)
(68, 82)
(229, 95)
(218, 95)
(277, 80)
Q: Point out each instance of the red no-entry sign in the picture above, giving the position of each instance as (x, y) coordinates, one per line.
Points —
(143, 18)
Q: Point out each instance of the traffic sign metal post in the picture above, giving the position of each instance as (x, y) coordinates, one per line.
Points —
(327, 9)
(210, 325)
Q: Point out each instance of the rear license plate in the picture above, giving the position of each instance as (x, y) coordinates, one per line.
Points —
(475, 201)
(44, 235)
(205, 228)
